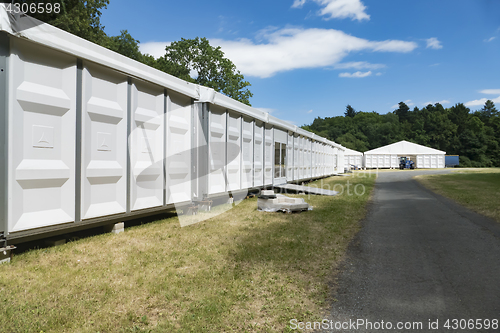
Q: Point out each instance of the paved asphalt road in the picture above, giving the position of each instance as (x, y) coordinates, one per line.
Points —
(418, 257)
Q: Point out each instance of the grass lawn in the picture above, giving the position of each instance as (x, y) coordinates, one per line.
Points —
(241, 271)
(476, 189)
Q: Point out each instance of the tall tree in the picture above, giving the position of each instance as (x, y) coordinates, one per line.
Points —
(349, 111)
(489, 110)
(402, 111)
(195, 60)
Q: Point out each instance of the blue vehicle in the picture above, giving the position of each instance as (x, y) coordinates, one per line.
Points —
(406, 163)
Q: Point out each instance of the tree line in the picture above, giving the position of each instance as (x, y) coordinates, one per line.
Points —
(474, 135)
(193, 60)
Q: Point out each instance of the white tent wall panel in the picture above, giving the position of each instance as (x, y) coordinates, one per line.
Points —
(279, 136)
(296, 152)
(104, 138)
(313, 160)
(326, 160)
(387, 161)
(302, 163)
(269, 155)
(146, 145)
(440, 161)
(217, 150)
(335, 157)
(340, 161)
(247, 153)
(318, 159)
(258, 154)
(308, 158)
(433, 161)
(427, 161)
(178, 161)
(289, 158)
(42, 153)
(419, 163)
(394, 161)
(233, 166)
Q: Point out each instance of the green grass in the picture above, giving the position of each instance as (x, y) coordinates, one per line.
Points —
(241, 271)
(476, 189)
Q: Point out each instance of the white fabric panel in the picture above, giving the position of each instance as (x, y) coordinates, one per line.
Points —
(233, 152)
(302, 163)
(420, 161)
(387, 161)
(104, 142)
(178, 148)
(335, 152)
(340, 161)
(280, 136)
(308, 158)
(394, 161)
(247, 153)
(146, 146)
(367, 161)
(296, 152)
(42, 152)
(269, 156)
(289, 158)
(380, 161)
(259, 154)
(433, 161)
(313, 159)
(440, 161)
(427, 161)
(217, 150)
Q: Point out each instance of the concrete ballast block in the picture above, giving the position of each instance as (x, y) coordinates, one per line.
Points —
(115, 228)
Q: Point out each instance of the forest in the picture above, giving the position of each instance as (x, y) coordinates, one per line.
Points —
(474, 135)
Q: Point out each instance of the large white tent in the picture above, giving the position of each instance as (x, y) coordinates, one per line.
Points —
(352, 158)
(388, 156)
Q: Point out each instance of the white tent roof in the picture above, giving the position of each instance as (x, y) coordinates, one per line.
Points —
(352, 152)
(404, 148)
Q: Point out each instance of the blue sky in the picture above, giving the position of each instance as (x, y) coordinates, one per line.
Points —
(310, 58)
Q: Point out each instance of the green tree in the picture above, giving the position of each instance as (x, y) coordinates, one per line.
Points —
(489, 110)
(196, 57)
(402, 111)
(124, 44)
(79, 17)
(349, 111)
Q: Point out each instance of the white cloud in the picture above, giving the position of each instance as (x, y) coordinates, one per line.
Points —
(408, 102)
(341, 9)
(481, 101)
(444, 101)
(490, 91)
(292, 48)
(489, 39)
(156, 49)
(358, 65)
(353, 9)
(357, 74)
(310, 111)
(298, 3)
(434, 43)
